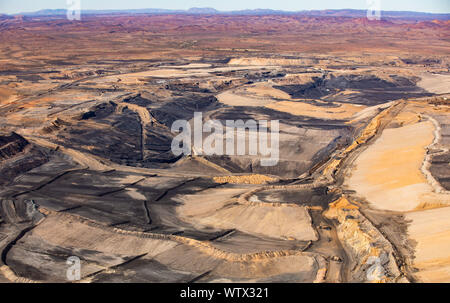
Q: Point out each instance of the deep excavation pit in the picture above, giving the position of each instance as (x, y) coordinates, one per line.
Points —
(366, 89)
(17, 156)
(156, 215)
(87, 170)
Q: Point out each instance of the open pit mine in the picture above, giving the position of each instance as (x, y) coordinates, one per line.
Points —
(360, 191)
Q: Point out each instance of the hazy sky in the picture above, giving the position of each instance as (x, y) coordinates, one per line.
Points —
(436, 6)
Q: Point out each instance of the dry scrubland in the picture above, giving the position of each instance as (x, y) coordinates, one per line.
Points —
(362, 185)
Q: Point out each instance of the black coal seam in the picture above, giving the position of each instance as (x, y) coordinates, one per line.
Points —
(48, 182)
(212, 186)
(141, 125)
(70, 208)
(222, 235)
(112, 191)
(200, 276)
(109, 171)
(119, 223)
(60, 255)
(439, 162)
(70, 107)
(120, 189)
(175, 187)
(153, 228)
(147, 212)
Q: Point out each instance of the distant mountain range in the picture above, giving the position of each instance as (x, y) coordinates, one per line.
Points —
(255, 12)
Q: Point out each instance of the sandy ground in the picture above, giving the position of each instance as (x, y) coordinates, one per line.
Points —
(259, 94)
(55, 80)
(189, 71)
(268, 61)
(190, 65)
(388, 173)
(342, 111)
(431, 230)
(263, 94)
(264, 89)
(435, 83)
(211, 209)
(233, 99)
(7, 95)
(369, 112)
(71, 233)
(197, 258)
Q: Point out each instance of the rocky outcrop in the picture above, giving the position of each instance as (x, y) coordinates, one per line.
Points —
(17, 156)
(11, 145)
(11, 275)
(372, 254)
(436, 148)
(330, 169)
(19, 211)
(245, 179)
(54, 126)
(245, 197)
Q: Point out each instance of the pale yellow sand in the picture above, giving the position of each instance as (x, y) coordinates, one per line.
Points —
(259, 94)
(7, 95)
(269, 61)
(233, 99)
(344, 111)
(407, 117)
(435, 83)
(266, 90)
(431, 230)
(389, 173)
(133, 78)
(190, 65)
(368, 112)
(174, 72)
(213, 208)
(246, 179)
(67, 231)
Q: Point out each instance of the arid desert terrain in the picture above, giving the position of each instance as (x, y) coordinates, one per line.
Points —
(361, 191)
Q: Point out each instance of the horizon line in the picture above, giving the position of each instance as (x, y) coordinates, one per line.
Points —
(221, 11)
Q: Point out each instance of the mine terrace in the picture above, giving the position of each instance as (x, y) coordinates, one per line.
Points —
(86, 167)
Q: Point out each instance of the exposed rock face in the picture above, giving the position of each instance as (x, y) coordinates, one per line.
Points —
(368, 89)
(17, 156)
(373, 254)
(16, 211)
(247, 179)
(11, 145)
